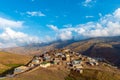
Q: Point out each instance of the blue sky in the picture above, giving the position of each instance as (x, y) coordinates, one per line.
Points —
(36, 21)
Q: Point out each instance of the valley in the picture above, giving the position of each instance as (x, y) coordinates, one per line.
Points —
(104, 51)
(67, 63)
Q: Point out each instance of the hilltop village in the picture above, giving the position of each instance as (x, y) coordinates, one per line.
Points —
(62, 57)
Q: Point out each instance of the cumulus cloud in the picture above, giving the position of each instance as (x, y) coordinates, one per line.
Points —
(35, 13)
(88, 3)
(64, 35)
(10, 37)
(116, 14)
(61, 34)
(108, 25)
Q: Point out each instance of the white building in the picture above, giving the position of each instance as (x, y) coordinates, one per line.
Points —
(20, 69)
(45, 65)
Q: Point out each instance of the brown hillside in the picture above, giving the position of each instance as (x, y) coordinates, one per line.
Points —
(108, 50)
(42, 74)
(9, 60)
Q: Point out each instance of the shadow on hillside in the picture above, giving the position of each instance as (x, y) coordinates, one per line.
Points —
(111, 55)
(9, 71)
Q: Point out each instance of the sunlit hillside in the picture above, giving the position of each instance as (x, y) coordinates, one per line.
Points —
(9, 60)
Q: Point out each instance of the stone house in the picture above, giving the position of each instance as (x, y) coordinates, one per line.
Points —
(45, 65)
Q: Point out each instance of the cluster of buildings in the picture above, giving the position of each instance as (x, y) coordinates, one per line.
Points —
(61, 57)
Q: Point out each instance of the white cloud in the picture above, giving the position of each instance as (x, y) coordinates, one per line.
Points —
(11, 38)
(108, 25)
(9, 34)
(64, 35)
(89, 16)
(88, 3)
(117, 13)
(10, 23)
(53, 27)
(35, 13)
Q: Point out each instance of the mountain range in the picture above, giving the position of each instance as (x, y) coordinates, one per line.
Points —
(107, 48)
(101, 47)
